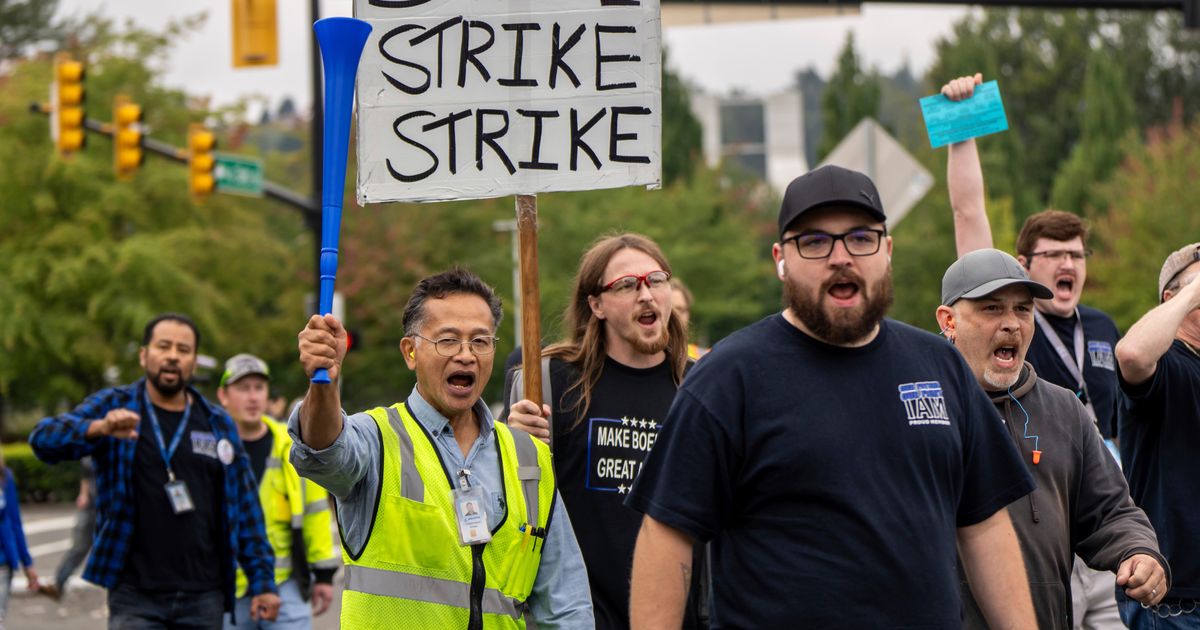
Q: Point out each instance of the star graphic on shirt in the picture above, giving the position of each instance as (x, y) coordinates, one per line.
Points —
(642, 423)
(653, 425)
(621, 489)
(624, 421)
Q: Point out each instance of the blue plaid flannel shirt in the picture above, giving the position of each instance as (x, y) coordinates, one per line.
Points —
(62, 438)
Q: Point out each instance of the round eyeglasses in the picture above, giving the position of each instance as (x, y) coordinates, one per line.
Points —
(451, 346)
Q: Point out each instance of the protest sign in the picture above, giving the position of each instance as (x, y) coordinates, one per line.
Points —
(460, 99)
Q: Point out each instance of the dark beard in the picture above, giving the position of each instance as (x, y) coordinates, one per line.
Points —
(168, 389)
(848, 327)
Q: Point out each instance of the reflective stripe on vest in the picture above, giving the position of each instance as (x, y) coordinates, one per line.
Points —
(411, 486)
(529, 474)
(426, 589)
(411, 569)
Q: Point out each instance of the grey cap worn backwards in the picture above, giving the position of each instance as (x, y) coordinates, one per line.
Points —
(829, 186)
(243, 365)
(983, 272)
(1179, 260)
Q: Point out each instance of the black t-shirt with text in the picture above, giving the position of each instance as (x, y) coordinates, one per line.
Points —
(831, 481)
(168, 551)
(1100, 337)
(1159, 426)
(596, 460)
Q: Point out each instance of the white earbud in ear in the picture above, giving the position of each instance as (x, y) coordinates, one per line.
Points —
(779, 269)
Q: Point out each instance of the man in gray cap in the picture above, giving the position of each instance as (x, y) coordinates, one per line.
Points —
(1081, 505)
(835, 458)
(1158, 420)
(296, 511)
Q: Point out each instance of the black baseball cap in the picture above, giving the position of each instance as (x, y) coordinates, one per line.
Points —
(982, 273)
(829, 186)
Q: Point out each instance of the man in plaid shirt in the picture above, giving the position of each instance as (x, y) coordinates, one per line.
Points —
(177, 502)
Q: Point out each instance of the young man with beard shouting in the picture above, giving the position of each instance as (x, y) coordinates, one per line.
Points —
(1081, 504)
(177, 511)
(612, 380)
(412, 479)
(834, 458)
(1072, 344)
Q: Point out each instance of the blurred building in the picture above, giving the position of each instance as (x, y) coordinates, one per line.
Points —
(762, 135)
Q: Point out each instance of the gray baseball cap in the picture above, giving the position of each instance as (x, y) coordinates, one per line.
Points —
(983, 272)
(243, 365)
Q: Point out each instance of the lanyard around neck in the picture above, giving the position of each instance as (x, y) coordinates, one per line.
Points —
(168, 451)
(1073, 364)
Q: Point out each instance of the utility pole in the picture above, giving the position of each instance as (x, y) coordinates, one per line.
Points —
(316, 142)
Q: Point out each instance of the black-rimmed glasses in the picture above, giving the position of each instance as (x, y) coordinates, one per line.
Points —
(858, 242)
(451, 346)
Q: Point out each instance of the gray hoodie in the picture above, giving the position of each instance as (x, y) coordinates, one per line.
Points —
(1081, 504)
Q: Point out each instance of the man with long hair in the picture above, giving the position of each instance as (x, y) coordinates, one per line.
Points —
(612, 379)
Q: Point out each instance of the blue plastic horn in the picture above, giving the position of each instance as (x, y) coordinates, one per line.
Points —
(341, 40)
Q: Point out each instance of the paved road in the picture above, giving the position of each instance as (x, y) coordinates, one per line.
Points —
(48, 531)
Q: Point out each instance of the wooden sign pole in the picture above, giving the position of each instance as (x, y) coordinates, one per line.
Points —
(531, 320)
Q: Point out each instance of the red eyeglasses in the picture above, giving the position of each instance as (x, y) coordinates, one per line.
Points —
(625, 285)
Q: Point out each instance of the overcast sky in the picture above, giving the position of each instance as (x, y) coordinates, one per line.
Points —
(756, 58)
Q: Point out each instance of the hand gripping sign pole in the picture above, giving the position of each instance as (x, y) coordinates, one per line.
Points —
(341, 40)
(531, 333)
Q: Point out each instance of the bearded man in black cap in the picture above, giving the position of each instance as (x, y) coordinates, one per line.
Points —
(834, 458)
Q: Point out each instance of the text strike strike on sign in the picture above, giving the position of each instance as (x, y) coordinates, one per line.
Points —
(468, 99)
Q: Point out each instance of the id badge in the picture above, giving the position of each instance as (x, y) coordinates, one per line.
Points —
(470, 513)
(181, 499)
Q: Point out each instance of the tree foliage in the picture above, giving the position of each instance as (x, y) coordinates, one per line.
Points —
(1148, 211)
(1108, 118)
(851, 95)
(25, 22)
(1042, 60)
(87, 260)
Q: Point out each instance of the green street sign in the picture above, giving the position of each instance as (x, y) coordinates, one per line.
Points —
(238, 175)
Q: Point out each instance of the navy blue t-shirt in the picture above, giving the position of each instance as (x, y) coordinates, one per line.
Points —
(1159, 426)
(1100, 337)
(831, 480)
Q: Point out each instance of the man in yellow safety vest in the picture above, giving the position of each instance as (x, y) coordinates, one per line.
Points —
(449, 519)
(296, 511)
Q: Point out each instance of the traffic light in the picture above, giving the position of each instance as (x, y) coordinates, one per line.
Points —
(201, 143)
(255, 34)
(127, 138)
(68, 99)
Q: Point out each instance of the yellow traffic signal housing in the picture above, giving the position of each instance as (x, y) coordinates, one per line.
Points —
(68, 102)
(255, 34)
(201, 143)
(127, 138)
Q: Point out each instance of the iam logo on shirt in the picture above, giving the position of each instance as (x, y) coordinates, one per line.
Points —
(924, 403)
(1101, 354)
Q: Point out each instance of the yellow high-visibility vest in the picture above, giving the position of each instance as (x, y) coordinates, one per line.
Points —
(291, 503)
(412, 572)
